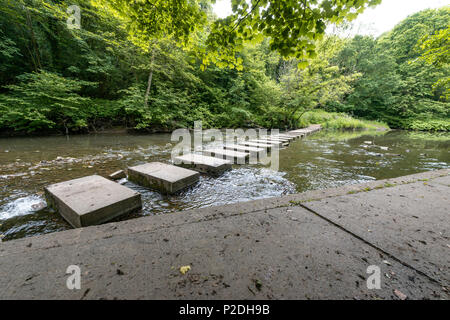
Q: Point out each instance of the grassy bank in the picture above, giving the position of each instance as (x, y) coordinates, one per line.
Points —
(339, 121)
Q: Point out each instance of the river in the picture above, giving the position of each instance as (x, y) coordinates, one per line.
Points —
(325, 159)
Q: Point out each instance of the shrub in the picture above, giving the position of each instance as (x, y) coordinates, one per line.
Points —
(333, 120)
(430, 125)
(44, 101)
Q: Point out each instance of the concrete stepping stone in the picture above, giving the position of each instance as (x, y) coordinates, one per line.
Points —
(265, 146)
(274, 139)
(118, 175)
(271, 142)
(204, 164)
(91, 200)
(254, 152)
(297, 134)
(286, 136)
(282, 137)
(163, 177)
(306, 131)
(236, 157)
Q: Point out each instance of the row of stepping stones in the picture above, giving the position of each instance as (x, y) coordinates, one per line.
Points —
(94, 199)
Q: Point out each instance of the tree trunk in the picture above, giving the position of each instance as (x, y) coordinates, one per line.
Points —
(150, 76)
(65, 127)
(37, 58)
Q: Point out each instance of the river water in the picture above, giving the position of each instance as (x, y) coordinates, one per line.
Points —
(322, 160)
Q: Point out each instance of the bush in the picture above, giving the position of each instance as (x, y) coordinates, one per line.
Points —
(430, 125)
(338, 121)
(44, 101)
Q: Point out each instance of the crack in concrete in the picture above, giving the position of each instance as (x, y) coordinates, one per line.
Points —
(390, 255)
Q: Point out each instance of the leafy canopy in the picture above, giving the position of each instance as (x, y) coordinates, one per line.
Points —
(157, 19)
(293, 26)
(436, 51)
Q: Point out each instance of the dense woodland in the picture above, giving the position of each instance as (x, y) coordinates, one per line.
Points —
(121, 71)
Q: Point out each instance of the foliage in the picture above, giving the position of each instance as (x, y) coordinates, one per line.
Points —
(436, 48)
(43, 101)
(293, 27)
(333, 120)
(142, 65)
(397, 86)
(320, 83)
(436, 51)
(156, 19)
(430, 125)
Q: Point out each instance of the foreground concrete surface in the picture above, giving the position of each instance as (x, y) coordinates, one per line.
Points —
(314, 245)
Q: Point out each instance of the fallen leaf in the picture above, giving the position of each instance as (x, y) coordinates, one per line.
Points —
(387, 262)
(400, 294)
(258, 284)
(185, 269)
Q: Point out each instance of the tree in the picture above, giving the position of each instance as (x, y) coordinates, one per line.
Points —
(397, 85)
(158, 19)
(43, 101)
(292, 26)
(436, 51)
(375, 91)
(320, 83)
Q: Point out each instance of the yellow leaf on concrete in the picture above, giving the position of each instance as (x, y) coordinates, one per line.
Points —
(185, 269)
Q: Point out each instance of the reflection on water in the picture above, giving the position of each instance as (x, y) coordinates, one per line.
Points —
(325, 159)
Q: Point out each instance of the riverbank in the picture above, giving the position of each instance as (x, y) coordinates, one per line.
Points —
(313, 245)
(340, 121)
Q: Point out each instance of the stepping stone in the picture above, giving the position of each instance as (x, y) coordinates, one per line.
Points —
(234, 156)
(91, 200)
(162, 177)
(204, 164)
(274, 143)
(284, 136)
(315, 127)
(306, 131)
(265, 146)
(282, 140)
(272, 140)
(297, 134)
(118, 175)
(255, 153)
